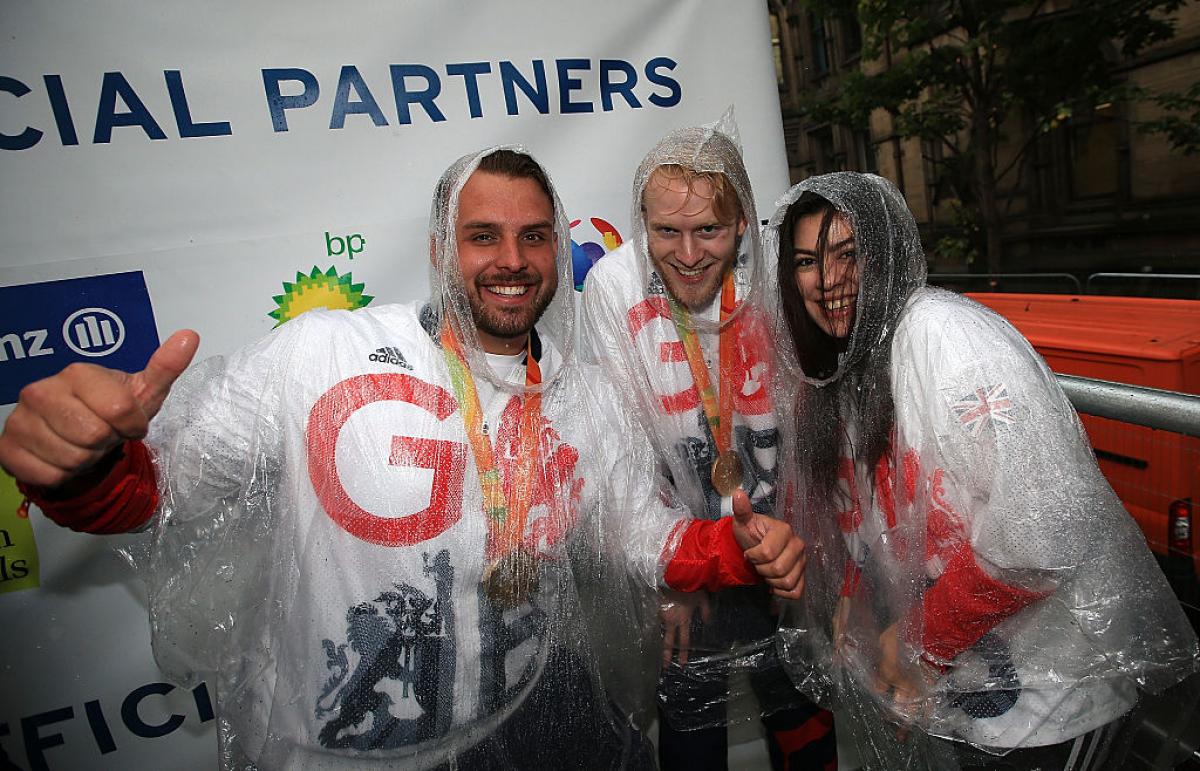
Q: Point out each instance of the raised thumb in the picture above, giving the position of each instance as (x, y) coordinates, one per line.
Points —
(152, 384)
(742, 510)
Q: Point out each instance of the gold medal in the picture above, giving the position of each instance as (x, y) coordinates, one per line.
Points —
(727, 473)
(512, 578)
(510, 581)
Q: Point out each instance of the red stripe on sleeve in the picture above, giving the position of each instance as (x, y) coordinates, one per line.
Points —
(122, 501)
(709, 558)
(965, 603)
(850, 578)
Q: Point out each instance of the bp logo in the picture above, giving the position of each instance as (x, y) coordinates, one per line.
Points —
(318, 290)
(585, 255)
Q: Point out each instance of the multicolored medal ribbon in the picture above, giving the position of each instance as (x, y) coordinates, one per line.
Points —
(727, 470)
(511, 576)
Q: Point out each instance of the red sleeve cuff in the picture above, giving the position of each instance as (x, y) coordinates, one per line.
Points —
(709, 558)
(851, 576)
(122, 501)
(964, 604)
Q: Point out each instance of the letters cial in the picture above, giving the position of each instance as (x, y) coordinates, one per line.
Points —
(379, 95)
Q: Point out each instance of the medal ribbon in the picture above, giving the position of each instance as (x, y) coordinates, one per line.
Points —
(505, 515)
(718, 406)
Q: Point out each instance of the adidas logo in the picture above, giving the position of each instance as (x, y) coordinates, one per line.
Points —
(390, 355)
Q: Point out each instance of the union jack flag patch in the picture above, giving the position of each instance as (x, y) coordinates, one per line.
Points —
(989, 403)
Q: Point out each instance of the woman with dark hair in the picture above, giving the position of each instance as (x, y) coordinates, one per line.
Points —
(971, 575)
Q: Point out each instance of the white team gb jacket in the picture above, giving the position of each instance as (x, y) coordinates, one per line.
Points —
(320, 542)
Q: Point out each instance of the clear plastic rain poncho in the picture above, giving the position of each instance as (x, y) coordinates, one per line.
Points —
(638, 334)
(325, 544)
(971, 574)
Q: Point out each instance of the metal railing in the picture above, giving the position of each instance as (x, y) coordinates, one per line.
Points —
(937, 278)
(1150, 407)
(1169, 285)
(1145, 279)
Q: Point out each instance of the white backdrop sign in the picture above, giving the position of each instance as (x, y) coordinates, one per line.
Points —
(225, 166)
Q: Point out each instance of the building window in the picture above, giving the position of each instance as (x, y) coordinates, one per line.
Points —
(851, 36)
(1092, 154)
(792, 133)
(820, 46)
(938, 184)
(823, 153)
(864, 151)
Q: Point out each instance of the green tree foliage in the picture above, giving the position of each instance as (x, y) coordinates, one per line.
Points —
(981, 76)
(1181, 124)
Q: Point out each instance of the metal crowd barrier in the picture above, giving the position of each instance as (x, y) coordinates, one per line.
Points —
(1165, 728)
(938, 278)
(1143, 278)
(1150, 407)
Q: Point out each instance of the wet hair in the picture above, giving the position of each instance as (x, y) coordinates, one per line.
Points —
(515, 165)
(865, 384)
(505, 163)
(725, 202)
(816, 351)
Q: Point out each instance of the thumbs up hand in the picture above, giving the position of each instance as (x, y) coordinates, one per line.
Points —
(66, 424)
(770, 545)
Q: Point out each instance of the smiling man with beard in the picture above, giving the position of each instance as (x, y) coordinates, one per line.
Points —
(370, 552)
(507, 289)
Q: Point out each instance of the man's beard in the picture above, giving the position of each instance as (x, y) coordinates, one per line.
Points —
(691, 297)
(510, 322)
(694, 297)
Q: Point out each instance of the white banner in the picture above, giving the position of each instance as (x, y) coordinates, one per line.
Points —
(225, 166)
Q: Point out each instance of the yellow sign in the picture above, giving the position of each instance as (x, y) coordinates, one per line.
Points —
(18, 550)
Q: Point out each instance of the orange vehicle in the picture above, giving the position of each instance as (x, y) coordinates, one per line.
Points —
(1141, 341)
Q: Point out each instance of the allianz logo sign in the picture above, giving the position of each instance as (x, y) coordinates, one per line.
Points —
(91, 332)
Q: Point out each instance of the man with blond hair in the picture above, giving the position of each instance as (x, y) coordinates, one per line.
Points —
(674, 315)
